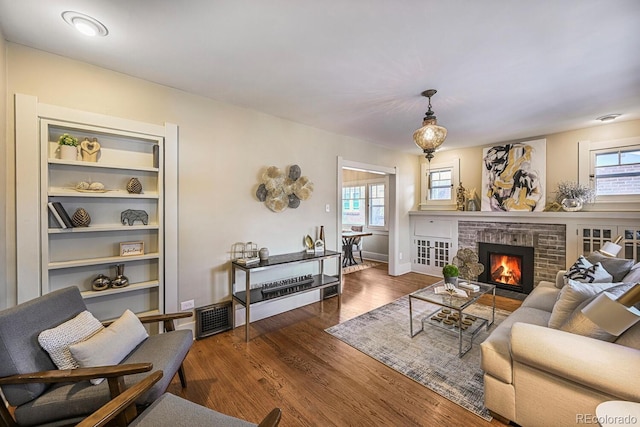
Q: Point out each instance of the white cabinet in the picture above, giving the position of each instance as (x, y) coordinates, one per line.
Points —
(75, 256)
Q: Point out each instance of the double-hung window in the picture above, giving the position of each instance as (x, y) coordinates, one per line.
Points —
(438, 183)
(366, 204)
(612, 169)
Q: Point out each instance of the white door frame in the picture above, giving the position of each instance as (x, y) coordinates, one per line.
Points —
(392, 172)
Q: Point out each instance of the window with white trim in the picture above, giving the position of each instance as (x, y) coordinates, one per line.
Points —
(616, 172)
(438, 183)
(365, 203)
(612, 169)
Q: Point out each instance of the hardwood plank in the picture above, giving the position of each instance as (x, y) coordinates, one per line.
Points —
(316, 379)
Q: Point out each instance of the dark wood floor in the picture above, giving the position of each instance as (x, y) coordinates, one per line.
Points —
(316, 379)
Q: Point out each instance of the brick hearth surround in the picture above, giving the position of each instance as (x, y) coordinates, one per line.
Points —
(558, 237)
(548, 241)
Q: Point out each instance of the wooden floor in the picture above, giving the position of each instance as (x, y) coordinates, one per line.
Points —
(316, 379)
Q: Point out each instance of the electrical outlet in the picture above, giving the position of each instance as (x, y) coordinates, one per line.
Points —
(187, 305)
(400, 255)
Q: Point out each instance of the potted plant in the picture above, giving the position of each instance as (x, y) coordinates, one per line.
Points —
(571, 195)
(68, 147)
(450, 273)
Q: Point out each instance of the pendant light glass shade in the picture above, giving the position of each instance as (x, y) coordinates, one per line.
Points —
(430, 136)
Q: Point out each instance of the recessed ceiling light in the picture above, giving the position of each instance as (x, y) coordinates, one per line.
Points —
(608, 117)
(85, 24)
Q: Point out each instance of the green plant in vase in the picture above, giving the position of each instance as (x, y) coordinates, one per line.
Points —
(68, 147)
(66, 139)
(450, 273)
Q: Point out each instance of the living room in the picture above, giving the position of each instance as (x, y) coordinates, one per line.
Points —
(225, 147)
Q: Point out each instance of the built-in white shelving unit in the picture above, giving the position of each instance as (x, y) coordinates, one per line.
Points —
(75, 256)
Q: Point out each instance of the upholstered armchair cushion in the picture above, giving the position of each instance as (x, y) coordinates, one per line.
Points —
(20, 352)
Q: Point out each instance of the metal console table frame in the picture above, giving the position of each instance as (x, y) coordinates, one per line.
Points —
(454, 303)
(321, 281)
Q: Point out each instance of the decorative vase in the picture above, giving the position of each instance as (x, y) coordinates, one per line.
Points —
(81, 218)
(571, 205)
(134, 186)
(264, 254)
(120, 280)
(100, 283)
(453, 280)
(68, 152)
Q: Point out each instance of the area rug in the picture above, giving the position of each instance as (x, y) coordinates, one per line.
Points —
(363, 265)
(430, 358)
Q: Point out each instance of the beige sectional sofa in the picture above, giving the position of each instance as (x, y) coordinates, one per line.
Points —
(538, 376)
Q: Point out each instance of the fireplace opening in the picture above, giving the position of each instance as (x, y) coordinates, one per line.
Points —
(507, 266)
(506, 269)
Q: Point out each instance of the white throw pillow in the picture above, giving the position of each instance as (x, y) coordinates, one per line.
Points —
(56, 341)
(571, 296)
(583, 271)
(633, 275)
(579, 324)
(111, 345)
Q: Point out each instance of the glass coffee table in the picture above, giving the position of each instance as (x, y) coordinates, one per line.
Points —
(450, 314)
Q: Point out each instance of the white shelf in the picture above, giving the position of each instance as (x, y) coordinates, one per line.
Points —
(103, 228)
(100, 261)
(53, 161)
(122, 194)
(112, 291)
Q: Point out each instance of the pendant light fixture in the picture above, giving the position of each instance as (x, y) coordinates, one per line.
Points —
(430, 136)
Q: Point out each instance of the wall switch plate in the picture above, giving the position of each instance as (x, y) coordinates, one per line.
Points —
(187, 305)
(327, 208)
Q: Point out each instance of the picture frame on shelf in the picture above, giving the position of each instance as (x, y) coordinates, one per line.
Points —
(131, 248)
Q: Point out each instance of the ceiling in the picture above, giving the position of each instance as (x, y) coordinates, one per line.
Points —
(504, 70)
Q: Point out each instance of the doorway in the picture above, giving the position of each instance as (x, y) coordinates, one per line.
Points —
(357, 176)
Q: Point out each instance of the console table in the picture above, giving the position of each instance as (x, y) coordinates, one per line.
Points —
(328, 285)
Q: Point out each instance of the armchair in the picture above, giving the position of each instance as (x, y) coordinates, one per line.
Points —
(168, 410)
(40, 394)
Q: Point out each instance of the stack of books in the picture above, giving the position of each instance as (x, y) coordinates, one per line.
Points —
(62, 217)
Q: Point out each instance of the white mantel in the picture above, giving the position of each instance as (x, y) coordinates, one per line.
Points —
(446, 224)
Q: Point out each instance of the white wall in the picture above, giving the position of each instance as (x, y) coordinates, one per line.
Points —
(4, 161)
(222, 152)
(562, 154)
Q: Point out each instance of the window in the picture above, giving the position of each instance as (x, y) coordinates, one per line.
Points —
(353, 203)
(438, 183)
(612, 168)
(616, 173)
(365, 204)
(376, 205)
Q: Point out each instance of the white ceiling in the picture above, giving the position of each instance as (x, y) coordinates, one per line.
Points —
(504, 69)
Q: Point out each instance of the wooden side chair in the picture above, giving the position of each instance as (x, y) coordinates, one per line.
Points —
(357, 242)
(169, 410)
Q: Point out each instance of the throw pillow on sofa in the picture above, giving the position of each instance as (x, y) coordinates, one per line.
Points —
(571, 296)
(56, 341)
(584, 271)
(617, 267)
(111, 345)
(633, 275)
(579, 324)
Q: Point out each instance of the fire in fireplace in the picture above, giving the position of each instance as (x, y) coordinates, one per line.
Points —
(505, 269)
(507, 266)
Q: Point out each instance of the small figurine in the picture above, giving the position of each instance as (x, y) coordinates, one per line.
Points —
(90, 150)
(460, 199)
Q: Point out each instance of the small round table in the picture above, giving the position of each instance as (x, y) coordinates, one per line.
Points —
(618, 413)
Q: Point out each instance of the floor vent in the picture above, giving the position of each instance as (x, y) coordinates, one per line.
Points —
(213, 319)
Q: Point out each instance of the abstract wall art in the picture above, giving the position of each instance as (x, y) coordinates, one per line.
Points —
(513, 177)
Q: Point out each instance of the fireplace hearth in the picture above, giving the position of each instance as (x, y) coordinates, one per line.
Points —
(507, 266)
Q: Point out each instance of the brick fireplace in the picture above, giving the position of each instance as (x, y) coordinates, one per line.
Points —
(548, 242)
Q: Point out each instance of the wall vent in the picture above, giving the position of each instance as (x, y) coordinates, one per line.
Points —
(213, 319)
